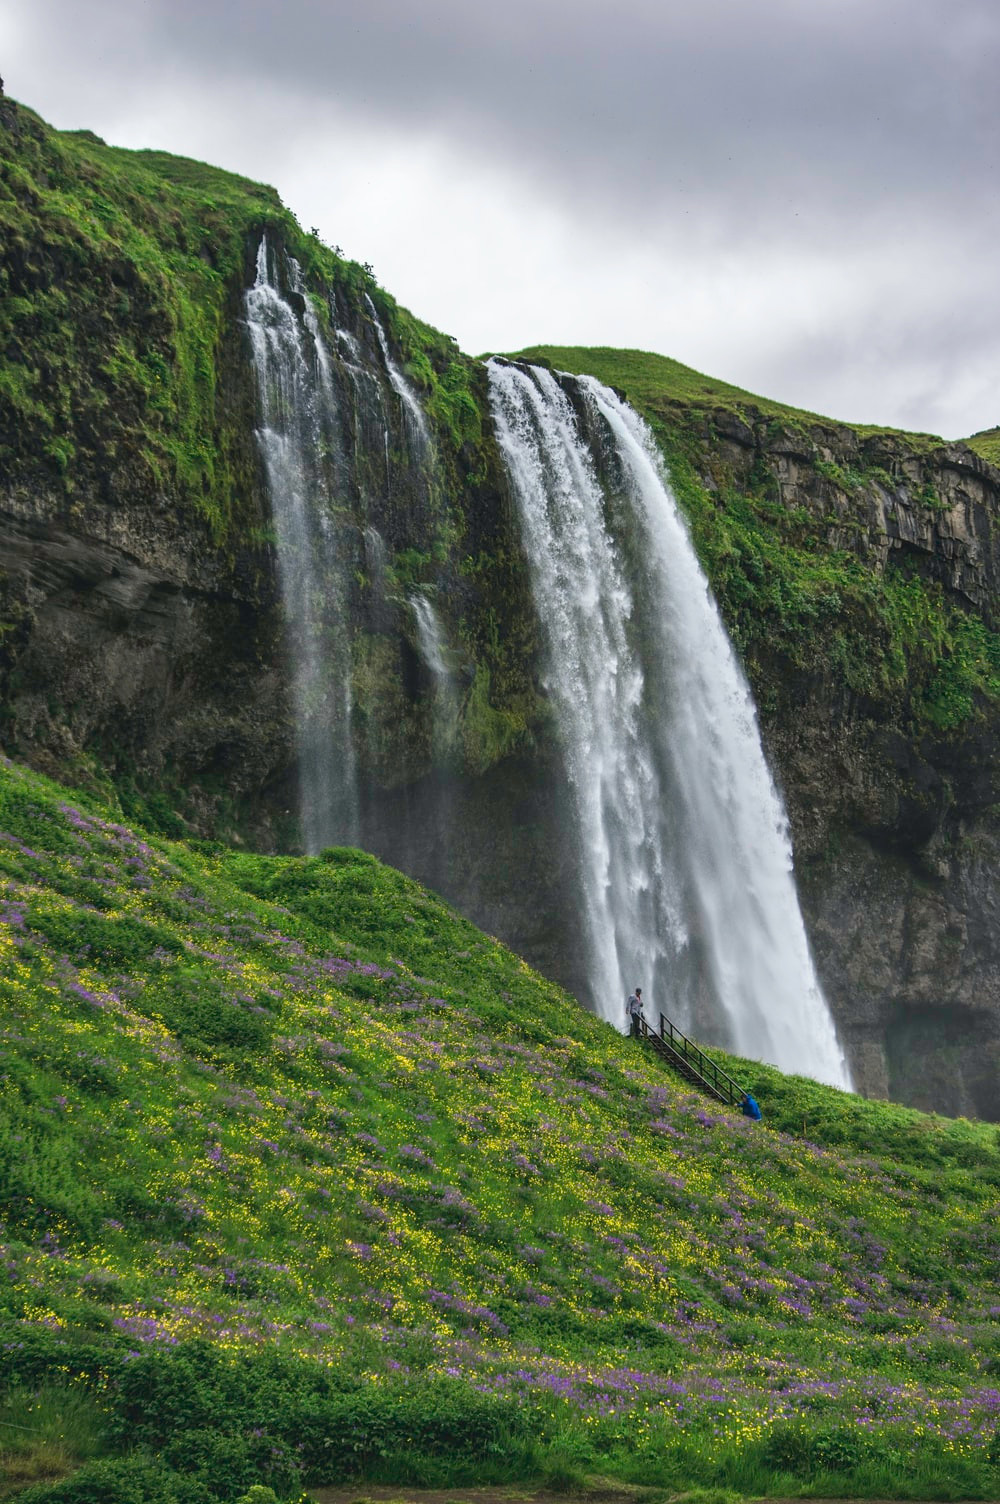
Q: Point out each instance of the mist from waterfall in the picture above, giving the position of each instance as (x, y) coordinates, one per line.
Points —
(300, 444)
(686, 865)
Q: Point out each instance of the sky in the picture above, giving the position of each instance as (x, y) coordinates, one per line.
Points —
(798, 196)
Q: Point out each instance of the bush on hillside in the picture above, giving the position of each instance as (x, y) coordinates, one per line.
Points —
(129, 1480)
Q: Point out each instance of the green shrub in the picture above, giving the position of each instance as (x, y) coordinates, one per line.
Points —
(228, 1463)
(448, 1424)
(788, 1449)
(838, 1449)
(129, 1480)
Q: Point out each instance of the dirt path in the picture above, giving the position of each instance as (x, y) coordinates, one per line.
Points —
(383, 1494)
(378, 1493)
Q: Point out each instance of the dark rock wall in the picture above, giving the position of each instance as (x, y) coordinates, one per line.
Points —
(895, 831)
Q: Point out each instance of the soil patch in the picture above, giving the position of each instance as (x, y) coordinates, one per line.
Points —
(386, 1494)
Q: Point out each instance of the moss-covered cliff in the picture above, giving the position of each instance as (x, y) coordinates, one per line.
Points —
(139, 559)
(143, 646)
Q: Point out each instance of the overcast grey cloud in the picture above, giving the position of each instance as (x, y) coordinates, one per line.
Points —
(797, 195)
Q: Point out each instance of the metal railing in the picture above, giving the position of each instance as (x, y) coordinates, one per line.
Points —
(713, 1076)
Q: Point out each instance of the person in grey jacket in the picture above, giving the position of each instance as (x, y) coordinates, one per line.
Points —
(633, 1010)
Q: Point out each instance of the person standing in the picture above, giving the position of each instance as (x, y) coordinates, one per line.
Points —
(633, 1009)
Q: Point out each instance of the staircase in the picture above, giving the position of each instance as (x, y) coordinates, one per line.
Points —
(691, 1062)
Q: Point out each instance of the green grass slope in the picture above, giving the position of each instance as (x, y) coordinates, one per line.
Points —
(987, 444)
(656, 383)
(303, 1179)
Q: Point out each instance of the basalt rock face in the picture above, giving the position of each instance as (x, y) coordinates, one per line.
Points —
(137, 649)
(895, 830)
(935, 508)
(131, 659)
(144, 644)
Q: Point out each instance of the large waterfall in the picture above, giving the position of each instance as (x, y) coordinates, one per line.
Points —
(299, 441)
(675, 830)
(687, 886)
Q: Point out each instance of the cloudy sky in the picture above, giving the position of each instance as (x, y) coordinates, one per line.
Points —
(800, 196)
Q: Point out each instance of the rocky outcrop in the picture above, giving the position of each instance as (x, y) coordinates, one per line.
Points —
(135, 659)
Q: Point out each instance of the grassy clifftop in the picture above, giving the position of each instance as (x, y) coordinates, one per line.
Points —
(656, 383)
(987, 444)
(303, 1178)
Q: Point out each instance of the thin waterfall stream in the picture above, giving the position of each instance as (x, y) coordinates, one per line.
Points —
(433, 650)
(414, 413)
(685, 858)
(299, 440)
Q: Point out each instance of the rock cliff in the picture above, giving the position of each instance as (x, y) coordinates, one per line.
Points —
(894, 812)
(144, 648)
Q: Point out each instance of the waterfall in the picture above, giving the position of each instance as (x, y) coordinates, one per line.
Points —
(372, 428)
(299, 442)
(431, 644)
(374, 545)
(685, 857)
(414, 414)
(431, 638)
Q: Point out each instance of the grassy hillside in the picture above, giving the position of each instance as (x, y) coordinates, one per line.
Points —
(305, 1179)
(987, 444)
(656, 383)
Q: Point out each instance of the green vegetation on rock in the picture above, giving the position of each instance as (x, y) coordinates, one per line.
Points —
(805, 593)
(117, 274)
(655, 384)
(305, 1180)
(987, 444)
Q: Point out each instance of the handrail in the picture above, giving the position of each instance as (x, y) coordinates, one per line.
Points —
(713, 1075)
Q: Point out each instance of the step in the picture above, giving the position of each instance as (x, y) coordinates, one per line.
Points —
(685, 1068)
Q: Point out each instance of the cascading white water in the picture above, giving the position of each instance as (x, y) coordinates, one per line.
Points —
(375, 561)
(368, 404)
(414, 413)
(432, 646)
(297, 437)
(686, 862)
(431, 638)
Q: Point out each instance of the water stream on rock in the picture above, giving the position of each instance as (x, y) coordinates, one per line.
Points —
(432, 647)
(414, 414)
(300, 443)
(685, 858)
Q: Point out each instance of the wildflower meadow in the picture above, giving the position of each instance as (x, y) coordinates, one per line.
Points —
(305, 1181)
